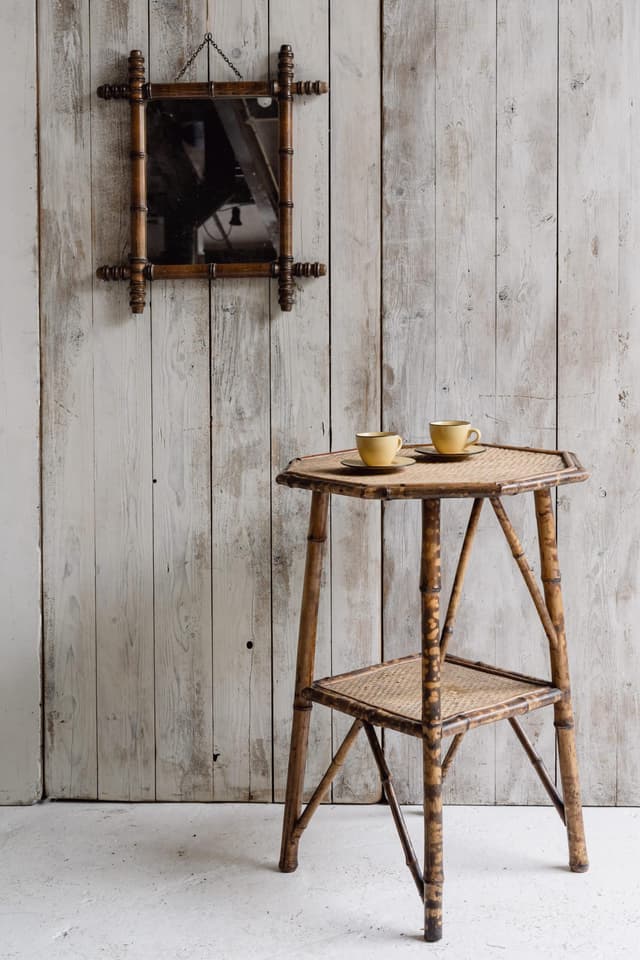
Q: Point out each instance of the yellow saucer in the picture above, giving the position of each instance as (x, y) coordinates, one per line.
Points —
(357, 464)
(471, 451)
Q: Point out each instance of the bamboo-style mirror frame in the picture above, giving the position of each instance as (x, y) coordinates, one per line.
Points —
(139, 269)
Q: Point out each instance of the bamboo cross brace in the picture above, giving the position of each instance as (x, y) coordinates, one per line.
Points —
(523, 564)
(539, 767)
(451, 752)
(461, 569)
(391, 798)
(323, 787)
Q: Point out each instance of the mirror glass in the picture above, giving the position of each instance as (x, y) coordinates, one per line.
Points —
(212, 181)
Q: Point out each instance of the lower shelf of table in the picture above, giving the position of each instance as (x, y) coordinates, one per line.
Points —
(390, 694)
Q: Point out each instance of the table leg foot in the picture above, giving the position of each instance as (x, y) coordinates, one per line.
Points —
(568, 762)
(295, 785)
(578, 858)
(433, 912)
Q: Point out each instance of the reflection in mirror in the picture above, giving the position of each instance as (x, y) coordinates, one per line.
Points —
(212, 188)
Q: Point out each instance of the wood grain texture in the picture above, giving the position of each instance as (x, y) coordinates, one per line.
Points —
(67, 415)
(408, 322)
(122, 417)
(241, 483)
(20, 634)
(355, 354)
(464, 343)
(598, 372)
(182, 474)
(525, 392)
(300, 379)
(468, 329)
(627, 373)
(182, 545)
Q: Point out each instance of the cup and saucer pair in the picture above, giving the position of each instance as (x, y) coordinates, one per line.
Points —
(452, 440)
(379, 453)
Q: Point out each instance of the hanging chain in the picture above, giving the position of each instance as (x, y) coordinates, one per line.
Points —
(208, 39)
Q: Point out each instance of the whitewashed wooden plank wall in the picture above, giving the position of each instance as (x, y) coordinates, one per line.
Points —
(471, 183)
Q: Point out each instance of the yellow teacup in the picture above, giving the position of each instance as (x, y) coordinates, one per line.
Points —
(378, 449)
(453, 436)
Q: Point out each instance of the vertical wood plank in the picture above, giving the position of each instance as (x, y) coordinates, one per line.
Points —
(182, 543)
(122, 416)
(181, 471)
(241, 482)
(598, 411)
(355, 355)
(465, 317)
(627, 378)
(67, 417)
(525, 402)
(20, 749)
(409, 373)
(300, 381)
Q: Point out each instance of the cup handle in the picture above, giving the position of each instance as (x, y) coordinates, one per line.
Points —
(399, 447)
(476, 439)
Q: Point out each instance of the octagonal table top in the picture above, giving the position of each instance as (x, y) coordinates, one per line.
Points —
(500, 470)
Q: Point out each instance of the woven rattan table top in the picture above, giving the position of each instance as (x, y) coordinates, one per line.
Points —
(500, 470)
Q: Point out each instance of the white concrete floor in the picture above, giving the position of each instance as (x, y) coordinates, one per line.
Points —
(199, 882)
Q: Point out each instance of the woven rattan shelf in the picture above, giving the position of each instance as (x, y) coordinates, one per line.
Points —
(390, 694)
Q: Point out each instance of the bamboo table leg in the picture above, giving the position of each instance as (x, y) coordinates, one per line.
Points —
(563, 709)
(316, 541)
(431, 719)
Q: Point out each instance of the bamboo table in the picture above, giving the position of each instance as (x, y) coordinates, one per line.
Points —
(431, 694)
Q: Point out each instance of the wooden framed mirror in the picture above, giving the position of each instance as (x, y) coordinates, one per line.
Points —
(211, 180)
